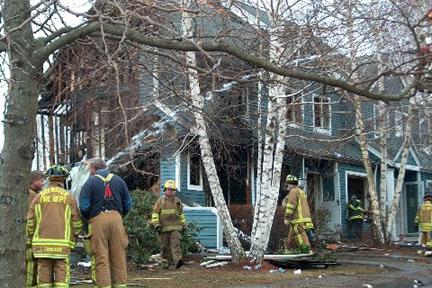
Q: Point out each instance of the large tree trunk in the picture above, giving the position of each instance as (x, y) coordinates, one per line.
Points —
(376, 216)
(230, 233)
(259, 158)
(19, 133)
(401, 175)
(383, 128)
(275, 135)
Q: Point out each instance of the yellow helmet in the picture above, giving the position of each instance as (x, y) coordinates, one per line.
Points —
(291, 179)
(170, 184)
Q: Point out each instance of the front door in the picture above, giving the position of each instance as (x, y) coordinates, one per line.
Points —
(411, 200)
(326, 210)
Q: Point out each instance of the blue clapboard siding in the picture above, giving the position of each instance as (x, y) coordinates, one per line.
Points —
(205, 219)
(167, 164)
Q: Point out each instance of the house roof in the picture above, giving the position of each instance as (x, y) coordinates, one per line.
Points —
(324, 146)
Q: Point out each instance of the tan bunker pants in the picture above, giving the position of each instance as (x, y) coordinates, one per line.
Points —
(108, 242)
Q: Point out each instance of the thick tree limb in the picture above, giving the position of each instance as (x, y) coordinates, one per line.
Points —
(3, 46)
(219, 46)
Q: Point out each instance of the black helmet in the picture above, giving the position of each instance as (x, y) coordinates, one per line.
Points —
(57, 171)
(427, 196)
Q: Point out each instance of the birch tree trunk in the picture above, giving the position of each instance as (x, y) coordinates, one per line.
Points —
(275, 134)
(376, 215)
(19, 132)
(230, 233)
(383, 128)
(259, 133)
(382, 123)
(259, 159)
(401, 175)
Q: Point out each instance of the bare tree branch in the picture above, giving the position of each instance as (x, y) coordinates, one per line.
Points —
(220, 46)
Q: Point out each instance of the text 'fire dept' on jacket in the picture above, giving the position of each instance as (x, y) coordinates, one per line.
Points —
(52, 222)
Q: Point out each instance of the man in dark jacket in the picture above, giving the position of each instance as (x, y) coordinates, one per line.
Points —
(104, 199)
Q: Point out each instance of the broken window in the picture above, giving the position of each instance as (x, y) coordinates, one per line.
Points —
(294, 110)
(321, 108)
(194, 169)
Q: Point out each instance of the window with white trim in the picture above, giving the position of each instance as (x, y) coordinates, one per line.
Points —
(424, 128)
(321, 114)
(194, 169)
(294, 110)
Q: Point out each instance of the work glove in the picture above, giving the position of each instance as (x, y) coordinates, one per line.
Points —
(158, 228)
(286, 221)
(310, 233)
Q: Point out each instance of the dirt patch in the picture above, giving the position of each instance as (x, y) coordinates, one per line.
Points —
(192, 275)
(247, 265)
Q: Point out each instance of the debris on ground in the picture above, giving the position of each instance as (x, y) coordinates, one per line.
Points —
(343, 247)
(419, 283)
(367, 286)
(280, 270)
(275, 257)
(222, 251)
(149, 266)
(247, 268)
(297, 272)
(306, 262)
(217, 264)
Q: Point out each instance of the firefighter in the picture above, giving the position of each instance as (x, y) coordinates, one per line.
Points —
(297, 215)
(53, 222)
(356, 215)
(104, 199)
(36, 185)
(169, 220)
(424, 220)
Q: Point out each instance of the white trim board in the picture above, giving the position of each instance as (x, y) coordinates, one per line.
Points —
(414, 155)
(351, 173)
(178, 171)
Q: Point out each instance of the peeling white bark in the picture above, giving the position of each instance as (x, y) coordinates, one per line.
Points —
(259, 158)
(274, 144)
(383, 128)
(375, 207)
(401, 175)
(230, 234)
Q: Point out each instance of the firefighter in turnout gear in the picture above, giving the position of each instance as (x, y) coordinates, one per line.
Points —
(356, 215)
(53, 222)
(36, 185)
(169, 220)
(424, 220)
(104, 199)
(297, 215)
